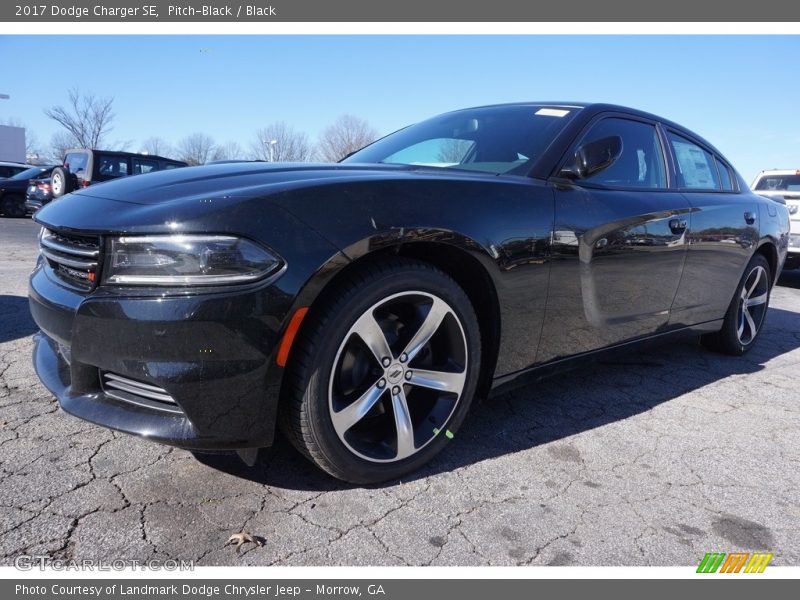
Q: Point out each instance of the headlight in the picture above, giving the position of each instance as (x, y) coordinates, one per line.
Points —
(182, 260)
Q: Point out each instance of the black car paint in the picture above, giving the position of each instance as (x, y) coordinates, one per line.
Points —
(19, 187)
(35, 196)
(214, 350)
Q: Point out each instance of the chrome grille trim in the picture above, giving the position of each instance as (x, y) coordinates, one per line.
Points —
(59, 247)
(88, 265)
(74, 258)
(138, 393)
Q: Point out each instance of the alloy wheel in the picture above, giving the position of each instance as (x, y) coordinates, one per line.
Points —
(398, 376)
(752, 305)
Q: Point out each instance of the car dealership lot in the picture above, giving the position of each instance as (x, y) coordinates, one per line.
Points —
(652, 458)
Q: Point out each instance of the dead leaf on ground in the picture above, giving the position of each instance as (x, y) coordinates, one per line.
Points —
(243, 538)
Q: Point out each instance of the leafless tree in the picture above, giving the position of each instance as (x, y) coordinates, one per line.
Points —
(289, 144)
(196, 149)
(60, 142)
(347, 134)
(453, 150)
(228, 151)
(156, 145)
(86, 118)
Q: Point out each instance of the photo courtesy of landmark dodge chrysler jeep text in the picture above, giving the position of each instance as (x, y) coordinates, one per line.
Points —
(363, 305)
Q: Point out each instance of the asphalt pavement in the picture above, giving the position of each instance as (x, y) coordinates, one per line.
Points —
(650, 459)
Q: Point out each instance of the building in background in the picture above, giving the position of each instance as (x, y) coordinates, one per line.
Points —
(12, 144)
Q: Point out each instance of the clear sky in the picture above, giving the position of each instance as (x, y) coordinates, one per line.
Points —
(740, 92)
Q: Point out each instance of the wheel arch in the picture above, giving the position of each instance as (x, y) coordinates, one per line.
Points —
(470, 269)
(769, 250)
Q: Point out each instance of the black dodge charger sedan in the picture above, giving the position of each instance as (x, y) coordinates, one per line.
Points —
(363, 305)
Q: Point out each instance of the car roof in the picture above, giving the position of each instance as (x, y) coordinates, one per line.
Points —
(779, 172)
(122, 153)
(590, 109)
(10, 163)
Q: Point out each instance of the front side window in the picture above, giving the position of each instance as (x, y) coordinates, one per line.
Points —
(641, 164)
(696, 168)
(493, 139)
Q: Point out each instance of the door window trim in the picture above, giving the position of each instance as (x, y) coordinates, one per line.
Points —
(718, 159)
(665, 156)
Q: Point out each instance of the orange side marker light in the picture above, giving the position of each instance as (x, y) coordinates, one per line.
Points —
(288, 336)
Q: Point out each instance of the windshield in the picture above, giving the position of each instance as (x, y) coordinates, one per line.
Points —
(783, 183)
(495, 139)
(31, 173)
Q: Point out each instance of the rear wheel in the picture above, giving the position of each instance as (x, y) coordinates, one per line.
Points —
(384, 375)
(60, 182)
(13, 205)
(745, 317)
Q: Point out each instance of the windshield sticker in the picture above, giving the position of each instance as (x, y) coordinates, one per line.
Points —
(552, 112)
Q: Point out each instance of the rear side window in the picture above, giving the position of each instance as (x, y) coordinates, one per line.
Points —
(75, 162)
(171, 166)
(641, 164)
(725, 178)
(696, 167)
(141, 165)
(111, 166)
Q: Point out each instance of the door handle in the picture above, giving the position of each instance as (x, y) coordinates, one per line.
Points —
(749, 217)
(677, 225)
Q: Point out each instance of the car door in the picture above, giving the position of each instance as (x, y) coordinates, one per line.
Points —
(618, 245)
(723, 235)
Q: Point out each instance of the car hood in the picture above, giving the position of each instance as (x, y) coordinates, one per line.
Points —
(234, 180)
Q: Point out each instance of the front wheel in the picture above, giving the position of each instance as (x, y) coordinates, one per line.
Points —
(745, 317)
(383, 376)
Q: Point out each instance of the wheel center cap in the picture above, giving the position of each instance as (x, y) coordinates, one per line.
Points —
(394, 373)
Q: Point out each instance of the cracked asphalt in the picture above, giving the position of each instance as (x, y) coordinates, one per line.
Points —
(654, 458)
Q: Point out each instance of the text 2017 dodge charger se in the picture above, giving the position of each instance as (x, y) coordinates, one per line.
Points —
(364, 304)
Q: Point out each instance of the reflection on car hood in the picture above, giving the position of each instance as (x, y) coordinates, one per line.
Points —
(240, 180)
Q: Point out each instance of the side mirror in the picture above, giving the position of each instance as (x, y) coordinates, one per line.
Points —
(593, 157)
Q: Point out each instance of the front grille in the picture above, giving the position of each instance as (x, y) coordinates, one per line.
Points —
(138, 393)
(73, 258)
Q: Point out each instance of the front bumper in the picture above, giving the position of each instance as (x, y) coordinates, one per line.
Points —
(213, 353)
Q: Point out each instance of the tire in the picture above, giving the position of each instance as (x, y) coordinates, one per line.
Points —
(60, 182)
(13, 205)
(424, 322)
(745, 317)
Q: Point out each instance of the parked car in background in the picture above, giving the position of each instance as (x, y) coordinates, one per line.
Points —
(38, 194)
(9, 169)
(364, 304)
(13, 190)
(83, 166)
(784, 184)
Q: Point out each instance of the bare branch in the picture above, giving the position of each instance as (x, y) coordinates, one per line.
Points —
(87, 118)
(345, 136)
(196, 149)
(157, 146)
(289, 145)
(228, 151)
